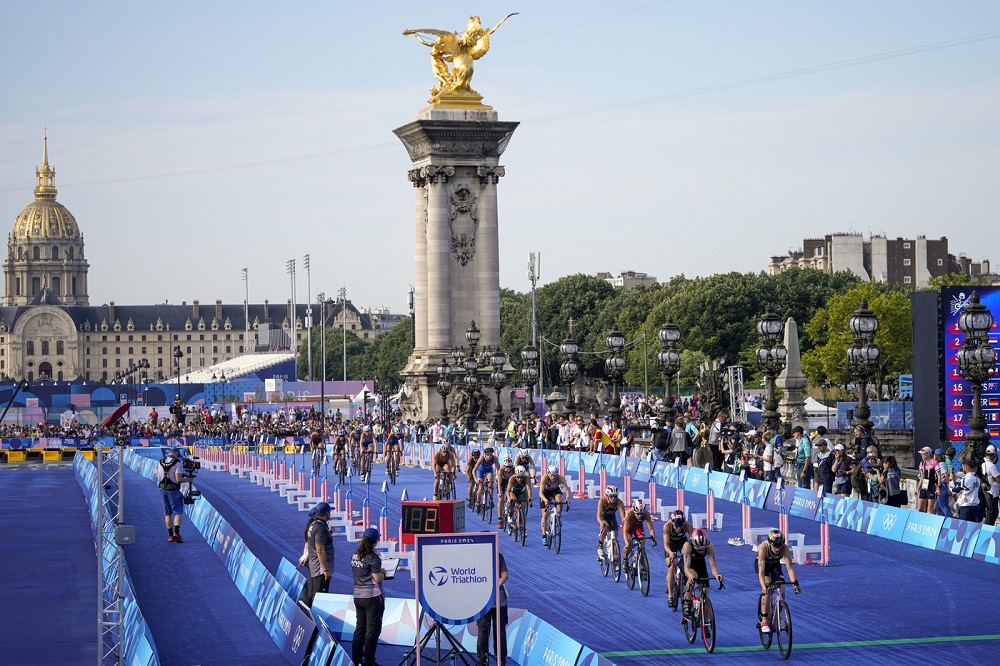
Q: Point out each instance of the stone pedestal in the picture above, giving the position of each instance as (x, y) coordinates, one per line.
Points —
(455, 171)
(792, 381)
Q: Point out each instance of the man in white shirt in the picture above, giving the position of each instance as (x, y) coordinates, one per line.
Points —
(967, 491)
(437, 432)
(771, 470)
(992, 476)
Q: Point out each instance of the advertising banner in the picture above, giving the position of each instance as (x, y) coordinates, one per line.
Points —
(290, 579)
(922, 529)
(958, 537)
(640, 469)
(889, 523)
(779, 498)
(534, 642)
(456, 575)
(696, 481)
(988, 545)
(805, 503)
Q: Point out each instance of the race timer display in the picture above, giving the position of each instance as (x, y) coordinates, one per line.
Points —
(958, 391)
(439, 517)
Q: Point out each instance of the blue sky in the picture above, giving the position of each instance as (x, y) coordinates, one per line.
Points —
(193, 139)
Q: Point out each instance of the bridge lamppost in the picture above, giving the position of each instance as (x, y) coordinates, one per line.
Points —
(862, 360)
(443, 386)
(977, 362)
(570, 369)
(669, 360)
(498, 380)
(771, 358)
(614, 366)
(529, 372)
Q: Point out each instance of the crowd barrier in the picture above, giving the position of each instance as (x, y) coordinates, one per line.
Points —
(138, 648)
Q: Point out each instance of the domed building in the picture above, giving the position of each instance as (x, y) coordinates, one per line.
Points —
(49, 330)
(45, 247)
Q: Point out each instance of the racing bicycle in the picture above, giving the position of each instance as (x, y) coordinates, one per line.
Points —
(555, 524)
(636, 564)
(779, 617)
(702, 615)
(611, 558)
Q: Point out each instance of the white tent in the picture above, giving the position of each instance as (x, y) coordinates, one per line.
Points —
(814, 407)
(360, 396)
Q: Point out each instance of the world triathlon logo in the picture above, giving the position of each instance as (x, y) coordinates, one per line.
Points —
(438, 576)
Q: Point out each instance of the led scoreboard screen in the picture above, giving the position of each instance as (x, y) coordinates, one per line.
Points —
(957, 390)
(438, 517)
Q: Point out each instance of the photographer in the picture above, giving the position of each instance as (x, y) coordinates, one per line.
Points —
(169, 477)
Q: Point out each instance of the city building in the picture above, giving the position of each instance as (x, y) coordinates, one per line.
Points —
(382, 319)
(49, 330)
(627, 279)
(912, 262)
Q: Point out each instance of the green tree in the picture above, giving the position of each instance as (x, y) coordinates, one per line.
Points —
(950, 280)
(386, 356)
(334, 355)
(826, 362)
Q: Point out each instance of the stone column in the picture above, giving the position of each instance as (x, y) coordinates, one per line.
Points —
(488, 267)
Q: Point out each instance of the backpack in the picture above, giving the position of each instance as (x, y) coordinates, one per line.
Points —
(166, 483)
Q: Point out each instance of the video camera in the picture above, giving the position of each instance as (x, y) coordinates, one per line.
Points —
(191, 466)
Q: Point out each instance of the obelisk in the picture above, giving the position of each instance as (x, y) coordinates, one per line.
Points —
(454, 146)
(792, 381)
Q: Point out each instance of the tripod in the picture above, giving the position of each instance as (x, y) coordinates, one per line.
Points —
(455, 653)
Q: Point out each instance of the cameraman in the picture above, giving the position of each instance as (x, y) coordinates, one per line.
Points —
(169, 477)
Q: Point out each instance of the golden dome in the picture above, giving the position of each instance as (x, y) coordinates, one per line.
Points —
(45, 218)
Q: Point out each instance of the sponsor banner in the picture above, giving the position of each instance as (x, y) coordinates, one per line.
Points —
(868, 511)
(663, 473)
(696, 480)
(922, 529)
(717, 483)
(534, 642)
(805, 503)
(958, 537)
(592, 462)
(756, 491)
(572, 460)
(290, 628)
(779, 498)
(988, 545)
(290, 578)
(615, 465)
(847, 514)
(828, 509)
(456, 575)
(590, 658)
(889, 523)
(325, 649)
(640, 469)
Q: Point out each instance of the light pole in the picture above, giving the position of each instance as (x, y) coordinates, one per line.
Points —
(443, 386)
(570, 369)
(529, 372)
(669, 360)
(771, 356)
(614, 366)
(534, 266)
(413, 320)
(321, 298)
(977, 361)
(309, 316)
(862, 360)
(498, 380)
(178, 355)
(246, 313)
(342, 293)
(290, 267)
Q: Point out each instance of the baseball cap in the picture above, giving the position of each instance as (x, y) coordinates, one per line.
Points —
(752, 433)
(991, 449)
(322, 507)
(926, 450)
(839, 447)
(939, 452)
(371, 534)
(822, 442)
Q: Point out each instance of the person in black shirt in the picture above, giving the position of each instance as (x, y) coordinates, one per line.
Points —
(487, 622)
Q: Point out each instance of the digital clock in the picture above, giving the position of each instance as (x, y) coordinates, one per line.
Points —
(439, 517)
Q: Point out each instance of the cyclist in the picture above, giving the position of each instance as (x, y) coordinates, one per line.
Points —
(469, 466)
(318, 452)
(767, 564)
(393, 448)
(634, 518)
(340, 449)
(518, 491)
(552, 486)
(695, 552)
(608, 509)
(527, 462)
(368, 449)
(504, 475)
(445, 462)
(484, 470)
(675, 534)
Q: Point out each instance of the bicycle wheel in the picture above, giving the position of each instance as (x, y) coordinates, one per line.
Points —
(548, 542)
(708, 624)
(616, 559)
(672, 601)
(691, 626)
(606, 560)
(765, 637)
(556, 533)
(783, 629)
(629, 566)
(341, 470)
(642, 572)
(523, 519)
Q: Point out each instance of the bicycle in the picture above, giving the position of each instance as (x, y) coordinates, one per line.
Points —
(614, 562)
(702, 615)
(678, 582)
(484, 500)
(555, 524)
(517, 524)
(367, 460)
(637, 565)
(355, 459)
(340, 467)
(779, 617)
(392, 466)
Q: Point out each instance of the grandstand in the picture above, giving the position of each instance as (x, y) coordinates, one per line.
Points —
(234, 368)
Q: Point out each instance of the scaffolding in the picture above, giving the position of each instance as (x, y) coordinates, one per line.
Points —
(737, 401)
(110, 558)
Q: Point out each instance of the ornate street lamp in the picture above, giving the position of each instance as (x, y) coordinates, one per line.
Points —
(669, 360)
(569, 370)
(771, 358)
(977, 361)
(470, 363)
(498, 380)
(614, 366)
(443, 386)
(529, 372)
(178, 355)
(862, 360)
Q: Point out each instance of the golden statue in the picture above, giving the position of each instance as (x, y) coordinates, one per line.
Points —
(453, 89)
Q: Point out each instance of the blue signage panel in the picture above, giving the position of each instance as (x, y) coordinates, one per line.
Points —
(290, 579)
(733, 489)
(756, 492)
(988, 545)
(640, 469)
(717, 483)
(958, 537)
(456, 576)
(535, 642)
(805, 503)
(922, 529)
(889, 523)
(779, 498)
(848, 513)
(696, 481)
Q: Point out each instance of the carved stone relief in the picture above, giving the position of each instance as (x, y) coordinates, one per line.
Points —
(463, 222)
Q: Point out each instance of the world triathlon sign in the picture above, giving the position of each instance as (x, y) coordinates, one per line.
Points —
(456, 581)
